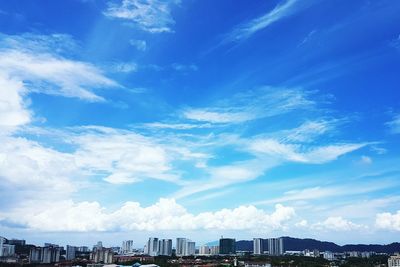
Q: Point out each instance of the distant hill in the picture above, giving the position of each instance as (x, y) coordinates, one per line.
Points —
(291, 243)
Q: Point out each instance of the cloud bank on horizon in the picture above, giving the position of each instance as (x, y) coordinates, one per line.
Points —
(139, 117)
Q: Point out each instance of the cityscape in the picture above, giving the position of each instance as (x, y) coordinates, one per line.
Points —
(184, 252)
(199, 133)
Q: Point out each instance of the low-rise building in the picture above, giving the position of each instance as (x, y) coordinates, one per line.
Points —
(394, 261)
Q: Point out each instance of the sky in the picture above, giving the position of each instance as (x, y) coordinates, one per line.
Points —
(128, 119)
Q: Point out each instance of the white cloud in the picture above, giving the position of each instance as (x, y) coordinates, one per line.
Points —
(328, 153)
(127, 157)
(13, 110)
(365, 159)
(388, 221)
(166, 214)
(216, 117)
(185, 68)
(226, 175)
(175, 126)
(149, 15)
(295, 152)
(140, 45)
(337, 224)
(251, 105)
(320, 192)
(125, 67)
(40, 69)
(246, 30)
(394, 124)
(32, 171)
(307, 131)
(302, 224)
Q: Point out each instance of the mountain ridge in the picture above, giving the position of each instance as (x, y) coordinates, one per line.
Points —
(299, 244)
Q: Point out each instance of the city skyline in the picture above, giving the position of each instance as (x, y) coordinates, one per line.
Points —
(139, 118)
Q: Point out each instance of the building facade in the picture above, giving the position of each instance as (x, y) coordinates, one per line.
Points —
(258, 246)
(127, 246)
(275, 246)
(227, 246)
(70, 253)
(190, 248)
(204, 250)
(102, 255)
(48, 254)
(151, 248)
(394, 261)
(165, 247)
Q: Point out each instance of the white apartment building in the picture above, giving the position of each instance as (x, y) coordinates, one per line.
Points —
(394, 261)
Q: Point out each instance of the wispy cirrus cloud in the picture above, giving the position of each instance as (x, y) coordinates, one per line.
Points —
(325, 192)
(34, 61)
(247, 29)
(394, 124)
(153, 16)
(246, 107)
(293, 152)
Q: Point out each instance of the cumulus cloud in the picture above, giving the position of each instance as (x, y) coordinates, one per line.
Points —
(337, 223)
(166, 214)
(32, 171)
(149, 15)
(388, 221)
(13, 110)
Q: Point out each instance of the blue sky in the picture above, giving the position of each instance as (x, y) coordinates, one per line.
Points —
(130, 119)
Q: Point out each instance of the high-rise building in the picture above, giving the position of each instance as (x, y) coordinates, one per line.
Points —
(185, 247)
(102, 255)
(127, 246)
(227, 246)
(214, 250)
(258, 246)
(275, 246)
(83, 249)
(180, 246)
(17, 242)
(165, 247)
(34, 255)
(99, 245)
(47, 254)
(190, 248)
(6, 250)
(152, 246)
(204, 250)
(70, 253)
(2, 243)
